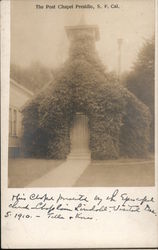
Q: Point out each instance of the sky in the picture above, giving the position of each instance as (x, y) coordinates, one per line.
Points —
(39, 34)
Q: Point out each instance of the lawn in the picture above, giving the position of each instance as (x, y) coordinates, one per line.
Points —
(110, 173)
(122, 172)
(23, 171)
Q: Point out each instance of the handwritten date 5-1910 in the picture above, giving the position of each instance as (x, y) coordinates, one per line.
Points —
(18, 216)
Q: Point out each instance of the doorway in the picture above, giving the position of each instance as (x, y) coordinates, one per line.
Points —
(79, 137)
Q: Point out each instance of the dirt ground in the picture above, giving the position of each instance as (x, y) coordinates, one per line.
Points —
(112, 173)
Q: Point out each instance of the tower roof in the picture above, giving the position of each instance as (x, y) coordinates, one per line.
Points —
(70, 30)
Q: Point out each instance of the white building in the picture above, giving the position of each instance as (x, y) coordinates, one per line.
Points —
(19, 95)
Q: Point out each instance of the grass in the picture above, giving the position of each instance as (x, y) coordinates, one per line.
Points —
(122, 172)
(23, 171)
(110, 173)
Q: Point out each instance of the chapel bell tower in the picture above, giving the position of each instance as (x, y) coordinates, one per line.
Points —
(80, 135)
(81, 28)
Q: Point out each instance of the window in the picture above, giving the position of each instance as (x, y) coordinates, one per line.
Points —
(12, 122)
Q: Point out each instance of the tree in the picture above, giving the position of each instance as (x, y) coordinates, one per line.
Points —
(141, 80)
(33, 77)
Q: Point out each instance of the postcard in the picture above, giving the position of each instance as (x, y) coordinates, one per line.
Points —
(79, 124)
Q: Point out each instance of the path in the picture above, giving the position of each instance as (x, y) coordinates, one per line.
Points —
(65, 175)
(81, 173)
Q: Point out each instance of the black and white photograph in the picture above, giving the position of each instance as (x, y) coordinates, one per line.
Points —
(81, 111)
(79, 124)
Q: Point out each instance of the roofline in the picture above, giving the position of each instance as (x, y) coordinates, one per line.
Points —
(21, 87)
(35, 95)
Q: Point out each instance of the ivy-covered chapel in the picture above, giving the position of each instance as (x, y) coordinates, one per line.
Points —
(85, 112)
